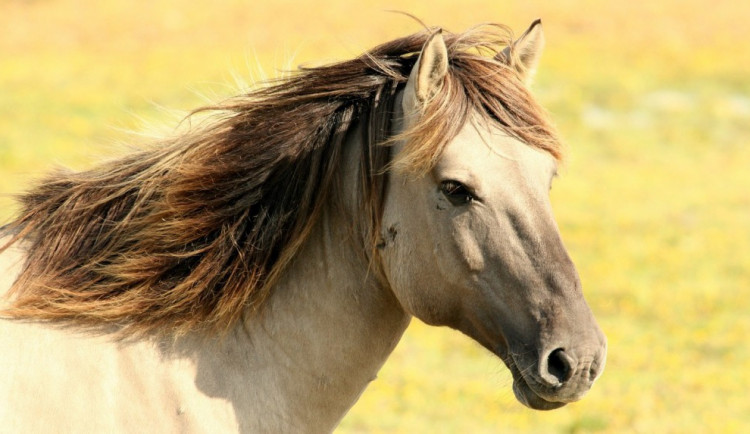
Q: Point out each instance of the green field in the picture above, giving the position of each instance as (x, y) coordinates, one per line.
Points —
(653, 100)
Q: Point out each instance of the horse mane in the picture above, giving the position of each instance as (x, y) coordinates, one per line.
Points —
(194, 231)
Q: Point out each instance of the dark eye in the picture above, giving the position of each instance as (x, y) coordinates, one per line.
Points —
(456, 192)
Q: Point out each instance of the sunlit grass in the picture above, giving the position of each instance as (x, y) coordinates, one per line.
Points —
(653, 100)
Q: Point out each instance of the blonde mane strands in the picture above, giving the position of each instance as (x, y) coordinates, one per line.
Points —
(194, 232)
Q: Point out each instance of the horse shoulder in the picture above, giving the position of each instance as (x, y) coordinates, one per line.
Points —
(76, 381)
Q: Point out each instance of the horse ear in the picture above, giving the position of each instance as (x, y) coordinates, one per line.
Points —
(525, 52)
(426, 77)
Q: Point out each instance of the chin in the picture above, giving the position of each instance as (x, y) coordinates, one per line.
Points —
(527, 397)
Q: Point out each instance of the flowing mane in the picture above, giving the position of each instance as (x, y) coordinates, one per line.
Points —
(194, 231)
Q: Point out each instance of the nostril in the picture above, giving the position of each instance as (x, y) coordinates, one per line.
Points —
(559, 365)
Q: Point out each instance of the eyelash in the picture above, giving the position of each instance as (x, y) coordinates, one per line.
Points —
(456, 193)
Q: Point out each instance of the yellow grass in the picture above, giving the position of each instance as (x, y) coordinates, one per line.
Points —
(653, 98)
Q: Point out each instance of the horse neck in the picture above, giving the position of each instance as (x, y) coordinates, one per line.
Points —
(322, 336)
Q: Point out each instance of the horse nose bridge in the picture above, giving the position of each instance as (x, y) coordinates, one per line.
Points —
(550, 264)
(572, 327)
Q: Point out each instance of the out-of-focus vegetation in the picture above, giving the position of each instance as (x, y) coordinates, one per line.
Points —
(652, 97)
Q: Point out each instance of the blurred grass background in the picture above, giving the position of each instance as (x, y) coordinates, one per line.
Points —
(652, 97)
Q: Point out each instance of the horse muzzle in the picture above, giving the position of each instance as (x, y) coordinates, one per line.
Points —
(558, 377)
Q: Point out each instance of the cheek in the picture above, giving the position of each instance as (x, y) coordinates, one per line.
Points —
(416, 279)
(418, 262)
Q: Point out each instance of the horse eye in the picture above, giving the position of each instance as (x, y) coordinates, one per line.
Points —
(456, 192)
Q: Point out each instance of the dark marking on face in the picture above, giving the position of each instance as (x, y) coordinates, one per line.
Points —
(388, 238)
(392, 232)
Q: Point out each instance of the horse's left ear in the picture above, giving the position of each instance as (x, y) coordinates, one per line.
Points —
(426, 77)
(524, 53)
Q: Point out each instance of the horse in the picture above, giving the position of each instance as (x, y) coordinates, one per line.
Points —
(253, 271)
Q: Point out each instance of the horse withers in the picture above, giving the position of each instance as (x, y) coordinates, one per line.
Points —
(253, 273)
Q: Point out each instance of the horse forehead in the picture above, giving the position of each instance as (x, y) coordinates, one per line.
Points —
(490, 149)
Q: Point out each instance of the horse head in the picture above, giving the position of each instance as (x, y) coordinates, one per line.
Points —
(491, 261)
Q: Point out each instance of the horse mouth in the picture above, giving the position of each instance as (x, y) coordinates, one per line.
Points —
(524, 393)
(526, 396)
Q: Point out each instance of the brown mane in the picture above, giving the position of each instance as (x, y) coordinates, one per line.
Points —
(195, 231)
